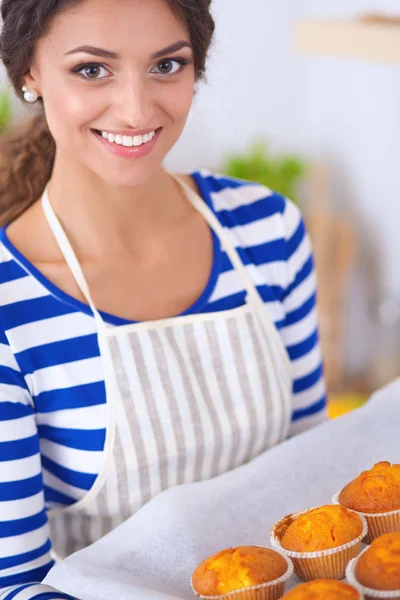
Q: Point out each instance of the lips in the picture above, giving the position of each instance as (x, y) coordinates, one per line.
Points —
(128, 146)
(127, 140)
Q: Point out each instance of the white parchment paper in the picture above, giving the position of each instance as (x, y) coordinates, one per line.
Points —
(152, 555)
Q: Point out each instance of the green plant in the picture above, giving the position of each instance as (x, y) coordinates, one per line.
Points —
(5, 109)
(281, 174)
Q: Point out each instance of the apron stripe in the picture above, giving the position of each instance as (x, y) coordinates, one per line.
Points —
(249, 407)
(216, 404)
(189, 385)
(76, 529)
(122, 483)
(125, 478)
(189, 346)
(170, 399)
(260, 352)
(255, 381)
(58, 535)
(122, 480)
(112, 505)
(143, 366)
(133, 402)
(69, 543)
(165, 402)
(280, 386)
(93, 527)
(187, 446)
(193, 333)
(84, 529)
(232, 432)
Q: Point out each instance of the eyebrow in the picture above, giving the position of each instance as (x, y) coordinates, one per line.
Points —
(114, 55)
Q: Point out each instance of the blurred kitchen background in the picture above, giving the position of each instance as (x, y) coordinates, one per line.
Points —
(314, 112)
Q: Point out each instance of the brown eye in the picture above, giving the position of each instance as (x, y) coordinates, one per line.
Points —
(92, 72)
(169, 66)
(165, 66)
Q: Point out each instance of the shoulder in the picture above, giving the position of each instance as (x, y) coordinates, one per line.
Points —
(28, 235)
(17, 286)
(9, 268)
(240, 202)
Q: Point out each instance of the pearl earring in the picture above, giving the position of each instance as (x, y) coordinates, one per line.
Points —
(30, 95)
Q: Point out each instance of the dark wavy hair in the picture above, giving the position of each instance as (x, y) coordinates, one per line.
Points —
(27, 154)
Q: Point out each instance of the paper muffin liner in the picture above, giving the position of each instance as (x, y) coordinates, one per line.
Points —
(369, 593)
(328, 564)
(378, 523)
(272, 590)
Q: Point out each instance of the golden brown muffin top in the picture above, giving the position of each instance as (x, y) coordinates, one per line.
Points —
(374, 491)
(379, 567)
(323, 589)
(322, 528)
(236, 568)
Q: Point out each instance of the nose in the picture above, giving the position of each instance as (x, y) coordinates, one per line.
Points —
(133, 103)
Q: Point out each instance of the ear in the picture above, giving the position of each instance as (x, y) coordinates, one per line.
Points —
(31, 80)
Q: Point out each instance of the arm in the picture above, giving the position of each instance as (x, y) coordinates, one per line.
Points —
(24, 537)
(300, 328)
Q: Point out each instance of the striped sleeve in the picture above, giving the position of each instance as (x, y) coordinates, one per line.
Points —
(300, 328)
(24, 534)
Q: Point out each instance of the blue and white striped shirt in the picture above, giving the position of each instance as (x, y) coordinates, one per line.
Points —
(52, 396)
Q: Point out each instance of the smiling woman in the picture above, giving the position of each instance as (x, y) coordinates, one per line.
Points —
(155, 329)
(79, 83)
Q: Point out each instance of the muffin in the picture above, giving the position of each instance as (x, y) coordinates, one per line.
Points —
(379, 567)
(376, 495)
(374, 491)
(248, 571)
(323, 589)
(322, 529)
(376, 572)
(320, 541)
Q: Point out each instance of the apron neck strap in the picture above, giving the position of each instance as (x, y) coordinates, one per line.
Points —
(200, 205)
(69, 255)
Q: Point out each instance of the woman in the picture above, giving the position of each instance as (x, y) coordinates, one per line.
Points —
(155, 329)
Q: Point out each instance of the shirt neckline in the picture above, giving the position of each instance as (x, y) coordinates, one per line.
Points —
(108, 317)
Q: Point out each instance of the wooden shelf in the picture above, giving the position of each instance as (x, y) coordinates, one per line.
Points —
(378, 42)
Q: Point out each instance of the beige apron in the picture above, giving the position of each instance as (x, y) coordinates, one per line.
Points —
(188, 398)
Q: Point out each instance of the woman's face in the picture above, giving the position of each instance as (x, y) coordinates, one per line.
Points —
(117, 82)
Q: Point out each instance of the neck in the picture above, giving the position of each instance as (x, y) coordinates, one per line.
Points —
(102, 220)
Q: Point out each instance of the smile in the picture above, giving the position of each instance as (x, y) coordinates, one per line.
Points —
(127, 140)
(123, 145)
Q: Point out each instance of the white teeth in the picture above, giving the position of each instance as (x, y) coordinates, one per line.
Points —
(127, 140)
